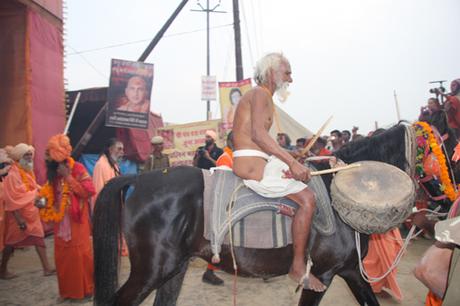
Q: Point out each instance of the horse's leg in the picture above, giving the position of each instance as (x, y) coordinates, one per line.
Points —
(168, 293)
(361, 289)
(146, 276)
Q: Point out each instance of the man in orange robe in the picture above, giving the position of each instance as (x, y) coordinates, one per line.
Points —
(5, 165)
(72, 245)
(23, 226)
(107, 168)
(383, 249)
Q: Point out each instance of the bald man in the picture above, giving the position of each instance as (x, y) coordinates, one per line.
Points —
(135, 96)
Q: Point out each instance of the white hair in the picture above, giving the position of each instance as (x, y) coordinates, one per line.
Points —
(265, 64)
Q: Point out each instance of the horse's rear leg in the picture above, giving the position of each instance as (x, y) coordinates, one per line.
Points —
(144, 278)
(360, 288)
(168, 293)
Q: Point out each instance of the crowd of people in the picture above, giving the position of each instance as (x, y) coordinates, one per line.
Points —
(67, 198)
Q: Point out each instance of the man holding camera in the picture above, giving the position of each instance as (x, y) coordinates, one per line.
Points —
(207, 155)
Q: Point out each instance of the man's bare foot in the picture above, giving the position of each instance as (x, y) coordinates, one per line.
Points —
(49, 272)
(7, 275)
(305, 281)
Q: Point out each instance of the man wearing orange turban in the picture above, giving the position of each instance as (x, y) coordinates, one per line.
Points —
(68, 191)
(23, 226)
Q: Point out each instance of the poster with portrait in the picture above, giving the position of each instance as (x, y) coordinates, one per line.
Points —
(182, 140)
(129, 93)
(230, 94)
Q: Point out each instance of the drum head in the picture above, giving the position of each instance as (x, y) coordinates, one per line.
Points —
(374, 197)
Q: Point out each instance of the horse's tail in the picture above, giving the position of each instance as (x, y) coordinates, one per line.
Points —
(107, 222)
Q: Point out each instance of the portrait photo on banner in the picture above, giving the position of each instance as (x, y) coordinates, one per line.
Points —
(129, 94)
(230, 94)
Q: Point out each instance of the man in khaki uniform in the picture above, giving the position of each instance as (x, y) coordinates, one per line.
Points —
(156, 160)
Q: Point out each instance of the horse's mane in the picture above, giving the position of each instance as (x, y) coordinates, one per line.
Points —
(387, 146)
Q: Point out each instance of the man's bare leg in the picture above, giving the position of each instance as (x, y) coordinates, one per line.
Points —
(4, 273)
(300, 231)
(47, 270)
(433, 269)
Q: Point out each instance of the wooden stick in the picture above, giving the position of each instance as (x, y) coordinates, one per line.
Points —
(315, 138)
(72, 112)
(334, 169)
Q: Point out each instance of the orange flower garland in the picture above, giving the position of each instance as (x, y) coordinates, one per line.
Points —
(49, 213)
(446, 183)
(23, 173)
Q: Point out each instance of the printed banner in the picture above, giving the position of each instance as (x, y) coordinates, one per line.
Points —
(181, 141)
(230, 94)
(129, 93)
(208, 87)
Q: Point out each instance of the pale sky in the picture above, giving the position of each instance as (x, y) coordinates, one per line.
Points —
(347, 56)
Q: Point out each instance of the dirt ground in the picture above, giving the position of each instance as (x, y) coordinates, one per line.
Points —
(32, 288)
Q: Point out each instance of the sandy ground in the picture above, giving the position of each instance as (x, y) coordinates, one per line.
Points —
(32, 288)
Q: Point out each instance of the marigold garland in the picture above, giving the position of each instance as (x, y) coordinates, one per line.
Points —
(426, 134)
(49, 213)
(23, 173)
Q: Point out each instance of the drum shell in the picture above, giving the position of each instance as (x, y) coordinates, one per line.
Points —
(382, 211)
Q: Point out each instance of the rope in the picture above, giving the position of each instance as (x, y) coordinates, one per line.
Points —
(370, 279)
(230, 236)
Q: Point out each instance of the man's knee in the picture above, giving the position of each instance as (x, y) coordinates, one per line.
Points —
(307, 198)
(420, 271)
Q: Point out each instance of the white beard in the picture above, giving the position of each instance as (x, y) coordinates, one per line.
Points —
(282, 91)
(28, 166)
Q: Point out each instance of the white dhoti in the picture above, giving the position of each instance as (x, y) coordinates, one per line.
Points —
(273, 183)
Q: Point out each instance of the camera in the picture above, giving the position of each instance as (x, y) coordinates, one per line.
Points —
(201, 151)
(438, 90)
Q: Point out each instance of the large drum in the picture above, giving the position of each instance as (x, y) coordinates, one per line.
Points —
(374, 197)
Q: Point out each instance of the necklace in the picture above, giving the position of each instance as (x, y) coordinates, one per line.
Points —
(25, 180)
(49, 213)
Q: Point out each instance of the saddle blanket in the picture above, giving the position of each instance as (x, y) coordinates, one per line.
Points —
(256, 221)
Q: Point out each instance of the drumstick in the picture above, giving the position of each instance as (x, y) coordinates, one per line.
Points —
(332, 170)
(315, 138)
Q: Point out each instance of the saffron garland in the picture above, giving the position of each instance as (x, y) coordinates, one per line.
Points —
(23, 173)
(426, 142)
(49, 213)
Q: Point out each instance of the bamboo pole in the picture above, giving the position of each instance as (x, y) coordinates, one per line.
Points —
(315, 138)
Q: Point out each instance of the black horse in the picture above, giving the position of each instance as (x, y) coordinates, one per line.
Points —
(163, 225)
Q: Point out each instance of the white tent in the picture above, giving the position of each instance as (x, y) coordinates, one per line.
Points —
(288, 125)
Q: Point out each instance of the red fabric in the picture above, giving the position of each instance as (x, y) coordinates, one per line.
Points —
(453, 112)
(82, 186)
(29, 241)
(226, 159)
(46, 83)
(324, 152)
(383, 249)
(15, 122)
(137, 141)
(74, 258)
(432, 300)
(2, 218)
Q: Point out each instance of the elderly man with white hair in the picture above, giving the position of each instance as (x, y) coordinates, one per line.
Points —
(23, 226)
(266, 167)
